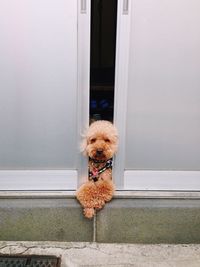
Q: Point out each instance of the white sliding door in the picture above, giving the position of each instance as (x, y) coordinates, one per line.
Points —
(39, 94)
(161, 140)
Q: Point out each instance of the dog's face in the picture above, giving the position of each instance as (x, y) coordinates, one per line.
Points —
(101, 141)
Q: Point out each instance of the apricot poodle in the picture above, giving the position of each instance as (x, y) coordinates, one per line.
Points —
(99, 144)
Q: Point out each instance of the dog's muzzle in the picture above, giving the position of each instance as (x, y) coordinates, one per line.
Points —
(99, 152)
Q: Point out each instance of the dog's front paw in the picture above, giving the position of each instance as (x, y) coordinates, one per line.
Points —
(106, 190)
(89, 212)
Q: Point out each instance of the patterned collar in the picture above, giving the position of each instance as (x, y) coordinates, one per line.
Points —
(94, 174)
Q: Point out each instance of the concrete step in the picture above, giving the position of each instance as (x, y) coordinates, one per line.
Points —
(75, 254)
(127, 220)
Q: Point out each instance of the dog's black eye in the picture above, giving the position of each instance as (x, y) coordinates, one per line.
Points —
(92, 140)
(107, 140)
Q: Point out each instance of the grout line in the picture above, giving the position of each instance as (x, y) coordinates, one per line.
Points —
(95, 226)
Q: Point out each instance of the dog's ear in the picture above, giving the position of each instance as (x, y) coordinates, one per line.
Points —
(83, 145)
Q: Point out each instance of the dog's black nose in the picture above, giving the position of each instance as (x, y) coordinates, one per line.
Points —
(99, 151)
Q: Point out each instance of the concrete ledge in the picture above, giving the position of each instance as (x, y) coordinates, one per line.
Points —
(150, 221)
(123, 220)
(145, 194)
(105, 255)
(43, 219)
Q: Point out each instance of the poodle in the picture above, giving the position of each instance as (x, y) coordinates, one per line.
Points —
(100, 145)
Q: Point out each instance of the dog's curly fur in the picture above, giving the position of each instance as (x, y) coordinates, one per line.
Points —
(100, 144)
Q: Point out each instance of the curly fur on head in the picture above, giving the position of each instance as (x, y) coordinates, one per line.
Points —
(100, 141)
(100, 144)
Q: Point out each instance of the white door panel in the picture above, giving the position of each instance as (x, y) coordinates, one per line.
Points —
(159, 117)
(40, 97)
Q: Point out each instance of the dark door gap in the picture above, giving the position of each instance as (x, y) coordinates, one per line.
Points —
(102, 59)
